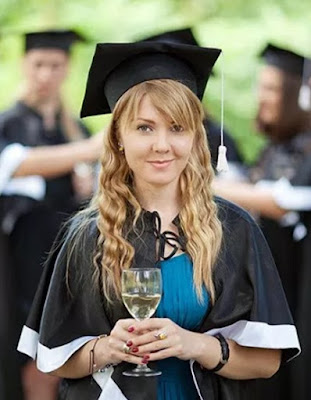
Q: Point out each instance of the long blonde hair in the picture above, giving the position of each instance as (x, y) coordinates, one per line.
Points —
(115, 196)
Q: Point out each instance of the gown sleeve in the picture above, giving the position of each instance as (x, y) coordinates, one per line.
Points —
(67, 311)
(251, 307)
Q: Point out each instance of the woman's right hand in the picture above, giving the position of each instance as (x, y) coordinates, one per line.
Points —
(117, 347)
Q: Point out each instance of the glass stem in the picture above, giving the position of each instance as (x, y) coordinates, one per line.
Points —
(142, 367)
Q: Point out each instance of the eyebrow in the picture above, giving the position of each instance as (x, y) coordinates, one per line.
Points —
(150, 121)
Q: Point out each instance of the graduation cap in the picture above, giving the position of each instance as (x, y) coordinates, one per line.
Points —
(116, 67)
(56, 39)
(285, 60)
(183, 36)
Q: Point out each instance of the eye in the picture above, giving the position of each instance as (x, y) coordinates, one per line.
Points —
(177, 128)
(144, 128)
(38, 64)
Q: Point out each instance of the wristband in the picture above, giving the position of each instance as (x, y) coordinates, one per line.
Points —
(225, 352)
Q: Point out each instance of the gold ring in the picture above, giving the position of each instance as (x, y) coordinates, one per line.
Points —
(161, 336)
(126, 349)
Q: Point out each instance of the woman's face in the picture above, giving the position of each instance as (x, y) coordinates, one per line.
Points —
(270, 95)
(156, 149)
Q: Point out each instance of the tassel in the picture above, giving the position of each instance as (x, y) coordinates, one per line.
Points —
(222, 163)
(304, 99)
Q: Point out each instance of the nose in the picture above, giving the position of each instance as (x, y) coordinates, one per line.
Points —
(161, 143)
(45, 74)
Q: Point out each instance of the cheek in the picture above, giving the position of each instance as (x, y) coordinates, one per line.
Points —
(134, 152)
(184, 147)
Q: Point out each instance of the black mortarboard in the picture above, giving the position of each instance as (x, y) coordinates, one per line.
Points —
(284, 59)
(56, 39)
(116, 67)
(183, 36)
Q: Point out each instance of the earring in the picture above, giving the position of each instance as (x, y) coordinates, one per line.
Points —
(121, 147)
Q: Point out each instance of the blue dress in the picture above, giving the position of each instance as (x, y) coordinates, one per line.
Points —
(179, 303)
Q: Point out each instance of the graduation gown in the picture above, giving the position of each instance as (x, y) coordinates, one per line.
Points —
(31, 208)
(250, 308)
(291, 160)
(10, 383)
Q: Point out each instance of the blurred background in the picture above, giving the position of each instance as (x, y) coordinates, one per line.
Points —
(241, 28)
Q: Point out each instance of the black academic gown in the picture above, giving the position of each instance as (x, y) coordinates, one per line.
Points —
(10, 383)
(31, 225)
(250, 308)
(291, 160)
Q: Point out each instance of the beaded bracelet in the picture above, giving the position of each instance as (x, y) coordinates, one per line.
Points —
(225, 352)
(92, 364)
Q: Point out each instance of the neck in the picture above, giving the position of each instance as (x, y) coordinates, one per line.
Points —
(165, 199)
(47, 105)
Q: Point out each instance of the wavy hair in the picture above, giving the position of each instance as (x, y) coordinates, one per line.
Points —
(116, 194)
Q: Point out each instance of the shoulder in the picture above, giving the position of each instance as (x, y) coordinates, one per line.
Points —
(10, 116)
(230, 213)
(10, 113)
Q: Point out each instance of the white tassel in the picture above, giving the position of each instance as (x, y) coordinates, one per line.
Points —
(304, 99)
(222, 163)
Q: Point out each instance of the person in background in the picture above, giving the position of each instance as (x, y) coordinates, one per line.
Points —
(223, 319)
(212, 128)
(45, 174)
(279, 193)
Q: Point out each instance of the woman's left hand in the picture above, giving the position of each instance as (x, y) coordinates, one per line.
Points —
(161, 338)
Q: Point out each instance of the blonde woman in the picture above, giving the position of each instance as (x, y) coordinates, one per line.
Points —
(223, 320)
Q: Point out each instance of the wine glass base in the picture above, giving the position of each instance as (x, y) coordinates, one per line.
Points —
(138, 372)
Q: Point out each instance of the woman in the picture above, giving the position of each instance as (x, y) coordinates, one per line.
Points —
(279, 193)
(155, 208)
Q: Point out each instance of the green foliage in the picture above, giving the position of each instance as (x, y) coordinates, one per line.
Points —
(241, 28)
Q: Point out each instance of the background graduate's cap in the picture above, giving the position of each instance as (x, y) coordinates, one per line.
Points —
(56, 39)
(285, 60)
(117, 67)
(295, 64)
(183, 36)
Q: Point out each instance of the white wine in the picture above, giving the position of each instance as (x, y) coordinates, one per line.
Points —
(141, 306)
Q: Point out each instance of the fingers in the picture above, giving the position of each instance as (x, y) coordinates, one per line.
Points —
(151, 324)
(119, 351)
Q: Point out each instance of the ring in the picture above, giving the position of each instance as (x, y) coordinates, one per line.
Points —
(161, 336)
(126, 349)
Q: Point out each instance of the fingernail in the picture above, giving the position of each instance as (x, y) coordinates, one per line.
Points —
(146, 357)
(135, 349)
(131, 329)
(129, 343)
(144, 361)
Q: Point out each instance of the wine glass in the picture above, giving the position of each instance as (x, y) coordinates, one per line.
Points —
(141, 295)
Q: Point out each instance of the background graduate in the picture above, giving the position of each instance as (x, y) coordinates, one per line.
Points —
(40, 184)
(280, 194)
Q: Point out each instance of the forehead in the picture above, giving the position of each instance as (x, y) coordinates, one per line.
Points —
(46, 54)
(271, 75)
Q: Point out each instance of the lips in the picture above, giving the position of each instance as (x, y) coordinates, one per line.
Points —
(160, 163)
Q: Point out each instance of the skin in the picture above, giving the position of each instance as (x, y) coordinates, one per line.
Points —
(45, 70)
(270, 92)
(144, 145)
